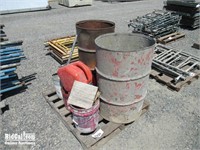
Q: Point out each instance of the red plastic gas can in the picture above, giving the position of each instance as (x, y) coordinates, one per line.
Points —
(68, 74)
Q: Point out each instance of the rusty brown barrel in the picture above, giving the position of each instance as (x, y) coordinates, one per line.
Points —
(123, 67)
(87, 31)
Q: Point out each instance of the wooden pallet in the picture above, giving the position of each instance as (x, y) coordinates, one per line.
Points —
(87, 141)
(60, 49)
(59, 59)
(170, 38)
(196, 45)
(168, 81)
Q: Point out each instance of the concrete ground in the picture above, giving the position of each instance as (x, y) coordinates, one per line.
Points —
(172, 123)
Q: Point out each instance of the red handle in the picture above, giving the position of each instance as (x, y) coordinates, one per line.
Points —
(85, 69)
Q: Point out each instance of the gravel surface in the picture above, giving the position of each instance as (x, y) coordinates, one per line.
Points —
(172, 123)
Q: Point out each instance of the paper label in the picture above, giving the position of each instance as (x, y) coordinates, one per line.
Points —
(98, 134)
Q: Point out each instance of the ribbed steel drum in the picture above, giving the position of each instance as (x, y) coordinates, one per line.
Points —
(121, 92)
(123, 67)
(87, 31)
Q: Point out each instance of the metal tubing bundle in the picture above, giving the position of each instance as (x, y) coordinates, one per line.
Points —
(10, 56)
(189, 10)
(158, 23)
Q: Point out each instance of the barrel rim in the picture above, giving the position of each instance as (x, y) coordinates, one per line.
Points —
(131, 34)
(95, 29)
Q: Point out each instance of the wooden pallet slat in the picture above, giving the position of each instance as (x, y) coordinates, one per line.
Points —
(168, 81)
(52, 98)
(59, 104)
(170, 37)
(86, 140)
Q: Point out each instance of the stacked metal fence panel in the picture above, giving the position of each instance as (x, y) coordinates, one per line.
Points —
(177, 64)
(60, 49)
(189, 10)
(11, 54)
(157, 24)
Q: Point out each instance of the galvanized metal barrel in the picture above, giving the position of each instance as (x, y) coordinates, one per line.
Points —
(123, 68)
(87, 31)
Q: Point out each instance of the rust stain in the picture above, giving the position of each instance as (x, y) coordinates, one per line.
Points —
(145, 58)
(128, 85)
(132, 63)
(126, 55)
(134, 69)
(115, 93)
(149, 55)
(116, 65)
(138, 96)
(138, 85)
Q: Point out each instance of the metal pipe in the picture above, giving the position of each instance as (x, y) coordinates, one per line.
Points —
(171, 58)
(188, 69)
(10, 52)
(162, 54)
(9, 83)
(9, 49)
(11, 59)
(193, 56)
(72, 50)
(182, 63)
(166, 56)
(172, 67)
(9, 66)
(10, 43)
(7, 70)
(174, 60)
(8, 76)
(11, 88)
(11, 55)
(167, 70)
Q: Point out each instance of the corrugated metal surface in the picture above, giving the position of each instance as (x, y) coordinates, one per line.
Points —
(12, 6)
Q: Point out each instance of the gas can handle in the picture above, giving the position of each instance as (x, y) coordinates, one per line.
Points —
(85, 69)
